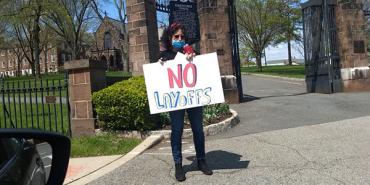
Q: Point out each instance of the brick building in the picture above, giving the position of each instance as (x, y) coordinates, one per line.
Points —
(109, 40)
(13, 61)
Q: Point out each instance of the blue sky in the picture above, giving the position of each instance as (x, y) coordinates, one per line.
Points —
(272, 53)
(111, 10)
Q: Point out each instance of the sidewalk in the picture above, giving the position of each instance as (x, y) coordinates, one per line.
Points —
(84, 170)
(330, 153)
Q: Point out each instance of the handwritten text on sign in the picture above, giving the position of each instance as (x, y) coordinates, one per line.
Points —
(179, 84)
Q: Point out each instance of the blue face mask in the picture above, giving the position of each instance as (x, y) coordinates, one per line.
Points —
(178, 44)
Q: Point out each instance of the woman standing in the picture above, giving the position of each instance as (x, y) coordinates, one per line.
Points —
(173, 41)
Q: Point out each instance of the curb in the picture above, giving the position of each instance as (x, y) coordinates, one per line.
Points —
(208, 130)
(97, 173)
(277, 77)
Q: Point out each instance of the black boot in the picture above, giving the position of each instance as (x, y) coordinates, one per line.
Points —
(179, 172)
(202, 165)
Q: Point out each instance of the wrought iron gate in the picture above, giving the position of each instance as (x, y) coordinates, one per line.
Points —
(235, 47)
(322, 62)
(163, 6)
(37, 104)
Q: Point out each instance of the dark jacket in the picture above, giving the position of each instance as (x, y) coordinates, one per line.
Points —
(170, 54)
(167, 55)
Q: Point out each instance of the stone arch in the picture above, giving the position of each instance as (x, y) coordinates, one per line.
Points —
(103, 58)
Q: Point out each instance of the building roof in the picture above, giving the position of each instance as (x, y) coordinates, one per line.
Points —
(116, 23)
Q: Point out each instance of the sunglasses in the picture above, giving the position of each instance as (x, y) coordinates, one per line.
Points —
(179, 36)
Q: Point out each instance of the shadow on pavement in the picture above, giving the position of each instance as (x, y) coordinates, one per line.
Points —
(219, 160)
(249, 98)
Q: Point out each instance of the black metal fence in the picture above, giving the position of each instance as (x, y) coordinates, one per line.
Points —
(38, 104)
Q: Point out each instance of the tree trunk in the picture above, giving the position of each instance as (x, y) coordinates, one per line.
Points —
(289, 52)
(33, 71)
(36, 42)
(259, 61)
(19, 66)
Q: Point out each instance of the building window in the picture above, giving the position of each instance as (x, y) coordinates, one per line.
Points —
(63, 58)
(52, 58)
(3, 64)
(107, 40)
(2, 53)
(10, 63)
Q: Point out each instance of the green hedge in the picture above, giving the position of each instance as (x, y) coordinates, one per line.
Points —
(124, 106)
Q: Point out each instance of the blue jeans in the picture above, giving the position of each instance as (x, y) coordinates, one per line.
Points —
(177, 124)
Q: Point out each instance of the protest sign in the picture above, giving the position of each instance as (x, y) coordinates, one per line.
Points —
(180, 84)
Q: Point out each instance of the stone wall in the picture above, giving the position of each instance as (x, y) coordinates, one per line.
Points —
(143, 34)
(214, 31)
(351, 24)
(215, 37)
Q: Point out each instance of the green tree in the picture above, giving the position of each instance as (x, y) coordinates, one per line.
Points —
(246, 54)
(24, 20)
(71, 20)
(292, 27)
(260, 23)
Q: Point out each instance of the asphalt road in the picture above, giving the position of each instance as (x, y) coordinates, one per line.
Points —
(273, 104)
(262, 150)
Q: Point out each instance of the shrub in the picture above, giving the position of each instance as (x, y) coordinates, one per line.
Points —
(214, 111)
(210, 112)
(124, 106)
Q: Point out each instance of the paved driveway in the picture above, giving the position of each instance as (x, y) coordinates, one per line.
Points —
(279, 141)
(279, 104)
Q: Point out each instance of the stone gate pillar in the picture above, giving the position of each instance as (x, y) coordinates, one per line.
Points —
(143, 34)
(215, 37)
(351, 25)
(85, 77)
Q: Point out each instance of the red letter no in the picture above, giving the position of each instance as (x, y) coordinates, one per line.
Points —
(182, 76)
(172, 76)
(186, 71)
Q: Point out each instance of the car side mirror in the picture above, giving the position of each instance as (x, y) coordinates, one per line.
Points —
(22, 148)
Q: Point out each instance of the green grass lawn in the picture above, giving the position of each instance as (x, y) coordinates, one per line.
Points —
(49, 117)
(49, 76)
(283, 71)
(55, 85)
(109, 144)
(117, 74)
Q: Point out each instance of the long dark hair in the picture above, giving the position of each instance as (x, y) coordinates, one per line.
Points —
(169, 32)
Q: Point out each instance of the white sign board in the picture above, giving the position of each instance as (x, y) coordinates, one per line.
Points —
(180, 84)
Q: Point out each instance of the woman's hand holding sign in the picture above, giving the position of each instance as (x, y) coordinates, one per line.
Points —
(189, 52)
